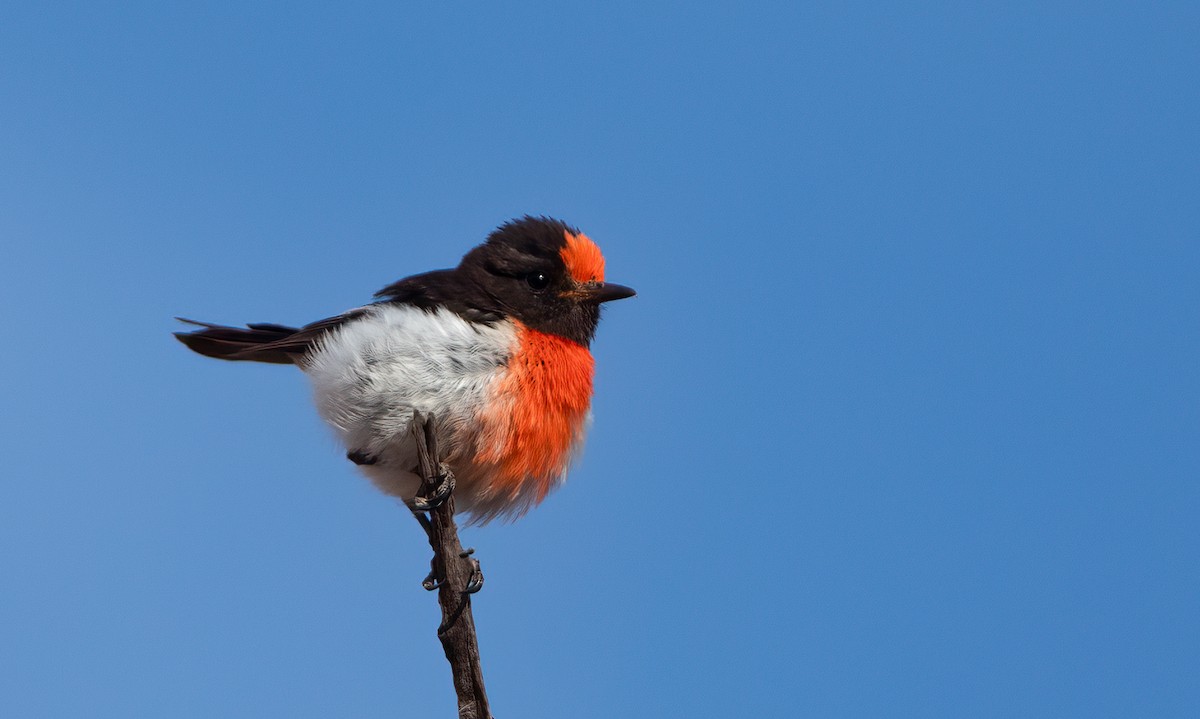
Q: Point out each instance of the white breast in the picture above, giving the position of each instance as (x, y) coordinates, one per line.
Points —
(370, 374)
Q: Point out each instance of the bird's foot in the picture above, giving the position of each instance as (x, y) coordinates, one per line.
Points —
(437, 497)
(475, 583)
(435, 578)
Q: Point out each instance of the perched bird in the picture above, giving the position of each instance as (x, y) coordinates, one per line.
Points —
(495, 350)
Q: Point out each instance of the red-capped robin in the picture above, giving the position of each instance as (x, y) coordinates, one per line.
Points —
(496, 350)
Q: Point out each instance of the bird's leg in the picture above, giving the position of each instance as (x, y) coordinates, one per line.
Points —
(436, 491)
(437, 574)
(434, 506)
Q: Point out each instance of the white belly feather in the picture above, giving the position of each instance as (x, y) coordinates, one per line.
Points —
(370, 374)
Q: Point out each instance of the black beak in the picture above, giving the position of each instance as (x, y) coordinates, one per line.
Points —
(607, 292)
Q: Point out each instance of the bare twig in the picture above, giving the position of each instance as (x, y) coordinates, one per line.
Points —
(455, 574)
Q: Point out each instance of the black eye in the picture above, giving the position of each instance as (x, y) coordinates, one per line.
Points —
(538, 281)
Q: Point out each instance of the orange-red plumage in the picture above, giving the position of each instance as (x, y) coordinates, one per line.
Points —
(538, 413)
(582, 258)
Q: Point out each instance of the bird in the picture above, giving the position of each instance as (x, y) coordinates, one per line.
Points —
(496, 351)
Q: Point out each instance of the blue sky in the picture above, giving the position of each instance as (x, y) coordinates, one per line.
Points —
(905, 420)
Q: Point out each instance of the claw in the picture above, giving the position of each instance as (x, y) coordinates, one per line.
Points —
(475, 583)
(439, 494)
(432, 581)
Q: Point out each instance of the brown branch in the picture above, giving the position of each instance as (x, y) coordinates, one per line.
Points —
(456, 576)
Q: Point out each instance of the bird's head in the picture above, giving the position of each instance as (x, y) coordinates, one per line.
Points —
(545, 274)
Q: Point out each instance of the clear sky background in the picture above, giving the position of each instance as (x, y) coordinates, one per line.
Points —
(904, 422)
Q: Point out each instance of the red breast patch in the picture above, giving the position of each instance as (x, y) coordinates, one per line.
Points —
(537, 414)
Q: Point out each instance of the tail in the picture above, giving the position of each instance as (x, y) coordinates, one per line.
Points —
(262, 342)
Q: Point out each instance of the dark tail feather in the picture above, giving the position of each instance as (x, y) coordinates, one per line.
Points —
(261, 342)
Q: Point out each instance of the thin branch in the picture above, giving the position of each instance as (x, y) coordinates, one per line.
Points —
(455, 574)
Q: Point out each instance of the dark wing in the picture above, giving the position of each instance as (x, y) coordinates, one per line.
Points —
(445, 288)
(260, 342)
